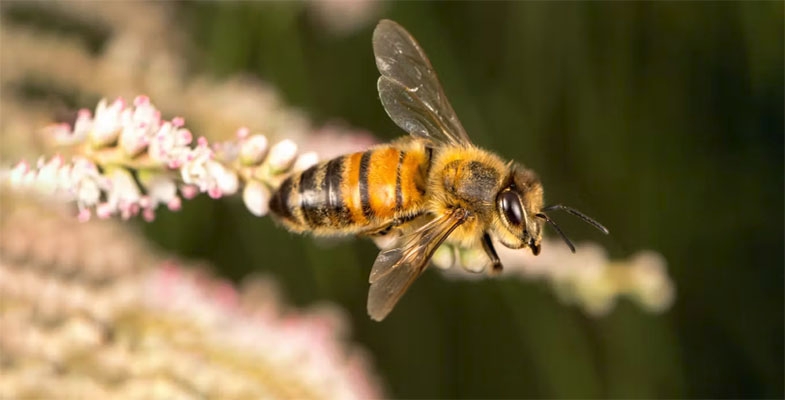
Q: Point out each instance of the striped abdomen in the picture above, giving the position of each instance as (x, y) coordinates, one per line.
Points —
(354, 193)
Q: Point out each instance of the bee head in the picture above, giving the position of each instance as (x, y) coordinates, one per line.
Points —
(518, 203)
(520, 207)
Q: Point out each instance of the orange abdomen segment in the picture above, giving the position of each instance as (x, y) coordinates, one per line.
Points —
(353, 192)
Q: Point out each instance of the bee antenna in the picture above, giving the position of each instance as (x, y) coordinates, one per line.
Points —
(578, 214)
(553, 224)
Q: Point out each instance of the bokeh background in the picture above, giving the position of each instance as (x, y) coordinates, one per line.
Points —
(663, 120)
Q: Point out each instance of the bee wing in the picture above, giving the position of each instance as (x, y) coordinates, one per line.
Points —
(410, 90)
(395, 269)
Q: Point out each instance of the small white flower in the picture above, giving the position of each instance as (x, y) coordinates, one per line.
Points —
(62, 135)
(134, 138)
(253, 150)
(256, 197)
(146, 113)
(170, 145)
(225, 179)
(104, 210)
(444, 257)
(194, 170)
(189, 191)
(87, 192)
(124, 193)
(85, 182)
(650, 281)
(473, 259)
(243, 133)
(175, 204)
(160, 189)
(82, 126)
(106, 124)
(48, 180)
(305, 161)
(282, 155)
(18, 174)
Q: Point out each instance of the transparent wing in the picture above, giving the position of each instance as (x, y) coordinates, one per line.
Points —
(396, 269)
(410, 90)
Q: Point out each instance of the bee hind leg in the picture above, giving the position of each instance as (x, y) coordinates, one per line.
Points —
(487, 245)
(387, 228)
(381, 231)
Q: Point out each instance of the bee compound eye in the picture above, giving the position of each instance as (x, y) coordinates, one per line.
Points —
(510, 205)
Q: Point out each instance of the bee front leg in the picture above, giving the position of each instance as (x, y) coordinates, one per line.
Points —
(487, 245)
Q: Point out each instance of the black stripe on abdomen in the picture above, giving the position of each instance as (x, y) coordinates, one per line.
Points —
(365, 200)
(313, 195)
(279, 204)
(337, 211)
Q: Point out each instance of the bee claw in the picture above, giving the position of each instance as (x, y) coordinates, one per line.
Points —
(496, 268)
(496, 263)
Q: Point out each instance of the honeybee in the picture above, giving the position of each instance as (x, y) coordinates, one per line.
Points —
(431, 187)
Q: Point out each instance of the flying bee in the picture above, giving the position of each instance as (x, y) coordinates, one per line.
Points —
(430, 187)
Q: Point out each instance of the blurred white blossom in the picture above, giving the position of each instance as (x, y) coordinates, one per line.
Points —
(125, 322)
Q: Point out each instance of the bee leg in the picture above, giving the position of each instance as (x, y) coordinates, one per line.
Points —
(385, 229)
(487, 245)
(379, 231)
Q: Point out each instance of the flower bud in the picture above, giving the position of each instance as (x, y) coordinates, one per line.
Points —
(253, 150)
(305, 161)
(444, 257)
(256, 197)
(282, 156)
(473, 259)
(106, 123)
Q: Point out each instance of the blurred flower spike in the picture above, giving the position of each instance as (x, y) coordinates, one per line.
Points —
(128, 161)
(129, 322)
(588, 278)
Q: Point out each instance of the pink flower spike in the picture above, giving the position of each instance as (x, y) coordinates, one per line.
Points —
(243, 132)
(178, 122)
(84, 215)
(84, 113)
(202, 141)
(148, 214)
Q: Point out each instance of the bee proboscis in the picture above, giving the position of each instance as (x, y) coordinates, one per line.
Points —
(430, 187)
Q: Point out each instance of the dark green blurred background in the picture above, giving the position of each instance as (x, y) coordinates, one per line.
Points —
(663, 120)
